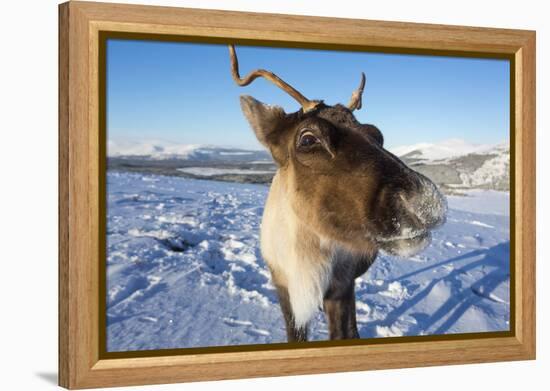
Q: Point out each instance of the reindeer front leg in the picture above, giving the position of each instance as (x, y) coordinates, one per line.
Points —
(339, 307)
(339, 299)
(293, 333)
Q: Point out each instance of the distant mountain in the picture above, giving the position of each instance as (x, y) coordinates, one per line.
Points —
(439, 151)
(162, 150)
(452, 164)
(456, 164)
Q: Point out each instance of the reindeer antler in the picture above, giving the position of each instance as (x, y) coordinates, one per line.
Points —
(355, 102)
(307, 105)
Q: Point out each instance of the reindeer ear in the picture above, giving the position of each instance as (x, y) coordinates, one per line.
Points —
(374, 132)
(267, 121)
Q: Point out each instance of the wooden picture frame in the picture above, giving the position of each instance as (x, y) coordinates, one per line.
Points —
(82, 362)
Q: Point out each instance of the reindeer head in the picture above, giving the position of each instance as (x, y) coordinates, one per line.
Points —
(339, 178)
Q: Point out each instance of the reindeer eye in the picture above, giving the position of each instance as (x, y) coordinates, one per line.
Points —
(307, 139)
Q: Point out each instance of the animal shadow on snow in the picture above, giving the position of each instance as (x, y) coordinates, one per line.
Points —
(496, 259)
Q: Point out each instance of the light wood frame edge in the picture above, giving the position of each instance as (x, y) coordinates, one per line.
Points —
(79, 364)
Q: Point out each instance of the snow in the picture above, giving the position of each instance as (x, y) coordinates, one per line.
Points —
(482, 201)
(184, 269)
(491, 169)
(211, 171)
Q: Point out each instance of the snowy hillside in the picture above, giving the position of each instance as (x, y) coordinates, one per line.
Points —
(493, 173)
(439, 151)
(184, 269)
(456, 165)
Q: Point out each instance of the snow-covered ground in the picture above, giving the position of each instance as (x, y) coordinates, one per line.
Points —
(184, 269)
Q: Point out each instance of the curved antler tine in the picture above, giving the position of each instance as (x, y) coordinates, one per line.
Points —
(355, 102)
(306, 104)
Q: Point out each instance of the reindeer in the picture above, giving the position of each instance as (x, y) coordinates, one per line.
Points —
(337, 198)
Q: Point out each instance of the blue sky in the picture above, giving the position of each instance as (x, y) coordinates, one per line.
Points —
(184, 93)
